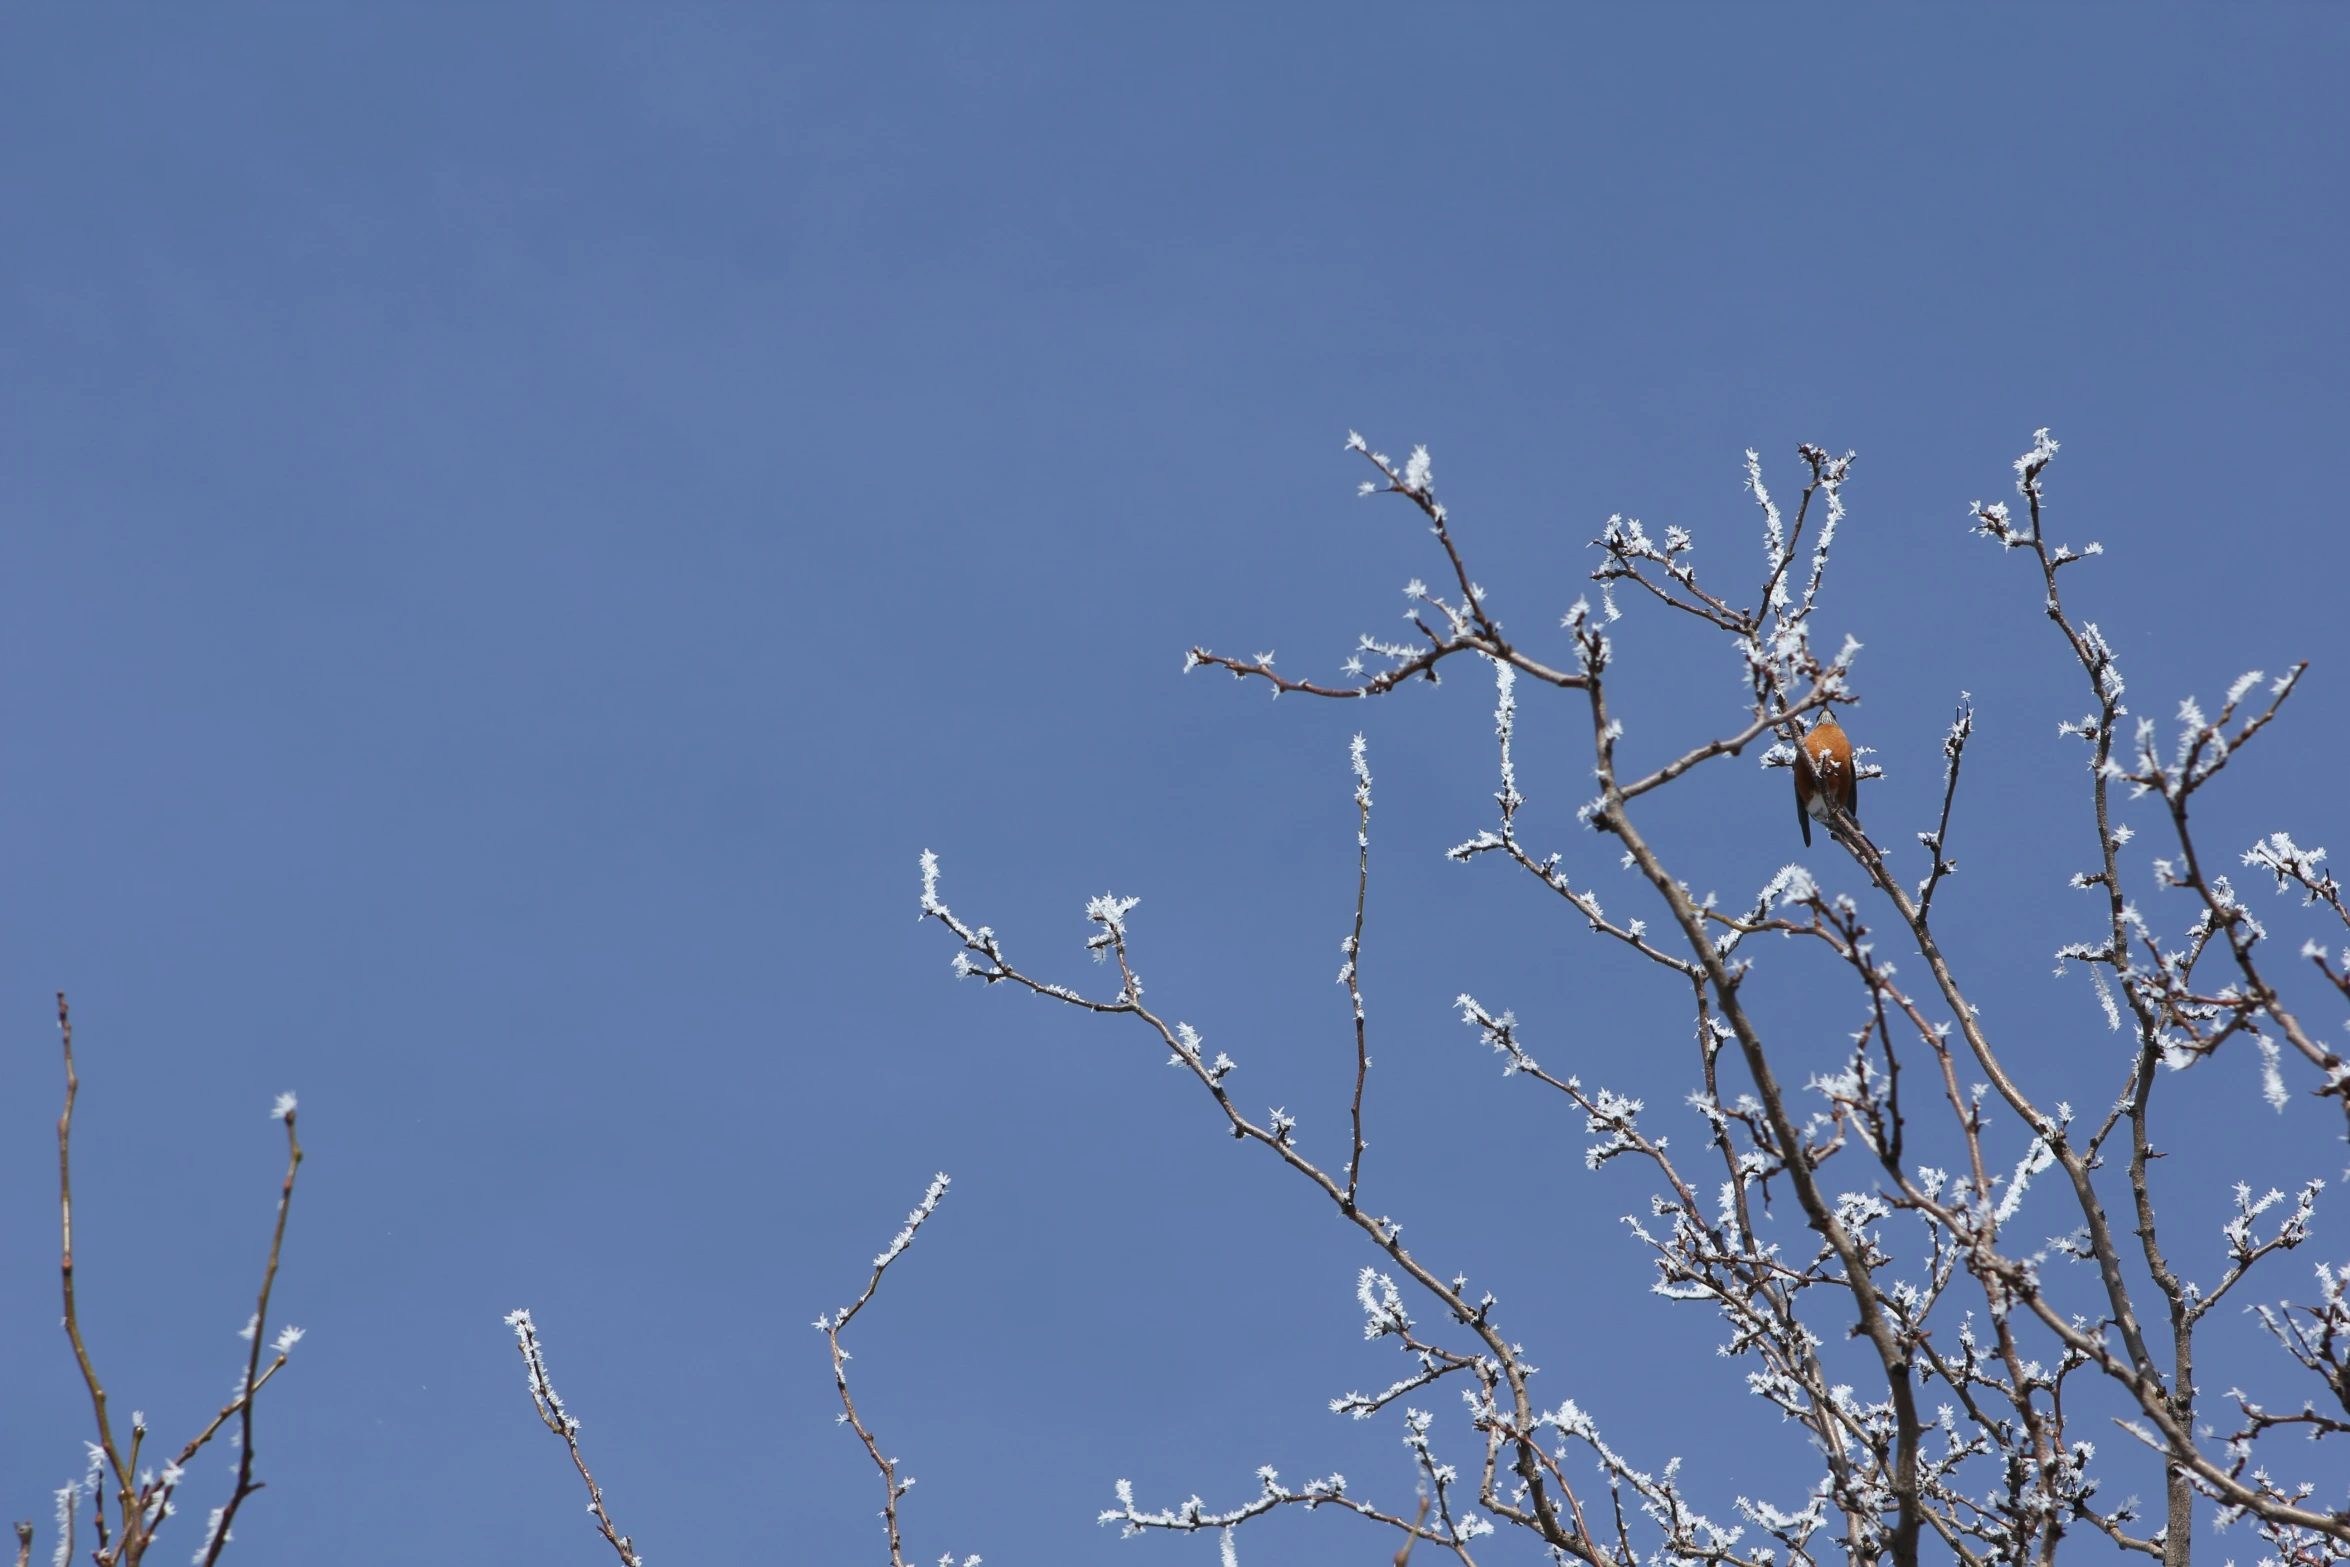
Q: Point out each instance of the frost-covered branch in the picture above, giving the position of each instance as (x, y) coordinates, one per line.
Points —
(1466, 625)
(2317, 1336)
(1351, 974)
(144, 1497)
(565, 1425)
(1193, 1516)
(893, 1485)
(1937, 842)
(2175, 1025)
(1540, 1498)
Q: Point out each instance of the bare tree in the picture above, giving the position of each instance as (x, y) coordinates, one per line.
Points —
(1983, 1357)
(1997, 1472)
(144, 1498)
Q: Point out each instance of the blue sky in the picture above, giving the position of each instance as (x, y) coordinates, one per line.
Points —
(521, 523)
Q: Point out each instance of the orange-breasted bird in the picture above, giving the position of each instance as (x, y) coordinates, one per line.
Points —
(1824, 773)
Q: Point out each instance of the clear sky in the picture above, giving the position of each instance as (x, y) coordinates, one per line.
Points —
(520, 524)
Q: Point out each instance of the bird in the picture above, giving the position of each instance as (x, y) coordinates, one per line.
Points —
(1824, 775)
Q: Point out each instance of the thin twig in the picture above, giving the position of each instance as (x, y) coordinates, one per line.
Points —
(246, 1484)
(73, 1320)
(892, 1487)
(557, 1419)
(1962, 725)
(1352, 973)
(1403, 1556)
